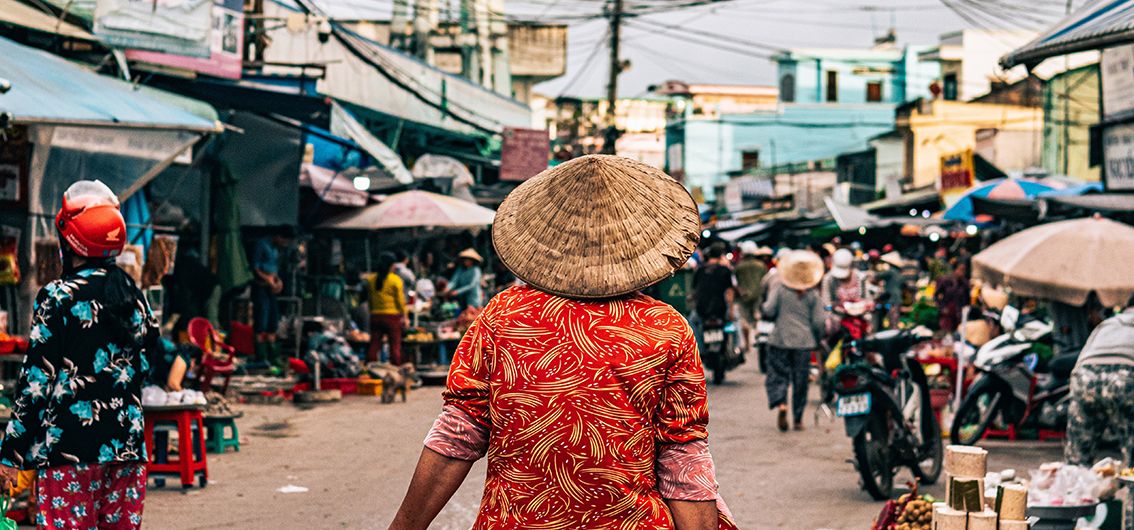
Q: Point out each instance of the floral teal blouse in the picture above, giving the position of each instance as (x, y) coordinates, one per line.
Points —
(78, 399)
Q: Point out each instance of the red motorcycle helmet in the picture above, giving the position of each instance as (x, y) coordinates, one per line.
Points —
(89, 221)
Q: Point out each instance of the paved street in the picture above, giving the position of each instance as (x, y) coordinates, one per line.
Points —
(356, 459)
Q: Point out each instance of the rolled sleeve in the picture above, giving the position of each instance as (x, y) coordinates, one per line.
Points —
(686, 472)
(456, 435)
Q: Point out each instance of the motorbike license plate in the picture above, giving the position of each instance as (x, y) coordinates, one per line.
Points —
(853, 405)
(713, 336)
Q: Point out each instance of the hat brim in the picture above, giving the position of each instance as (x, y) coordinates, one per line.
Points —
(840, 273)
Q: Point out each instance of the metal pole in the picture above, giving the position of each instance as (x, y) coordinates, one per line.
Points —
(608, 145)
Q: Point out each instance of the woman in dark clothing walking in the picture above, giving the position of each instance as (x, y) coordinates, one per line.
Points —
(799, 316)
(78, 416)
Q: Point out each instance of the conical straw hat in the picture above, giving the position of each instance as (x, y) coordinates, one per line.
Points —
(801, 269)
(596, 227)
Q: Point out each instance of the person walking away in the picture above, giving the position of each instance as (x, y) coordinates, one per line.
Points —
(750, 274)
(795, 308)
(841, 284)
(387, 309)
(952, 293)
(266, 287)
(464, 286)
(77, 417)
(587, 397)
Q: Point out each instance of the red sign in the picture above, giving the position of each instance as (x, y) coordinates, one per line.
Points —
(524, 154)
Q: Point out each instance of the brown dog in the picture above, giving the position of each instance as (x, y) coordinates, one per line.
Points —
(395, 379)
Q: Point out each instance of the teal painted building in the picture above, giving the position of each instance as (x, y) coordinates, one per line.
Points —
(831, 101)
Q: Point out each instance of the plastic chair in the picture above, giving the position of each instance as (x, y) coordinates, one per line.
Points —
(204, 336)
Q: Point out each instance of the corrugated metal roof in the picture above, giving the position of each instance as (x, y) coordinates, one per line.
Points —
(20, 14)
(343, 10)
(49, 89)
(1099, 24)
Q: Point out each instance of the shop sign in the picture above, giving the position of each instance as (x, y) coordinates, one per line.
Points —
(179, 27)
(1118, 157)
(1117, 80)
(226, 40)
(956, 172)
(134, 143)
(524, 154)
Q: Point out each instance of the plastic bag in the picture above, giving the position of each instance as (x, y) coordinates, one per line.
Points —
(5, 522)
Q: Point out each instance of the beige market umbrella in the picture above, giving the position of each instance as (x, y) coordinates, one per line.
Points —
(412, 209)
(1064, 261)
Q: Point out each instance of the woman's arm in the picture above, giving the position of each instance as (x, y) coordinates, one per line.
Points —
(694, 515)
(434, 482)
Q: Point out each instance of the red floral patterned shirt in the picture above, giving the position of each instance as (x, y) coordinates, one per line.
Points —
(581, 402)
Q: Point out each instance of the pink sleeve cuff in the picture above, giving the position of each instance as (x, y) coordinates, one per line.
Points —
(686, 472)
(456, 435)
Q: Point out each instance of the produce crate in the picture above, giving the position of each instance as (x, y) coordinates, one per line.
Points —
(369, 387)
(344, 385)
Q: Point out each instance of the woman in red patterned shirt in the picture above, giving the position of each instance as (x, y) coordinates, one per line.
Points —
(587, 397)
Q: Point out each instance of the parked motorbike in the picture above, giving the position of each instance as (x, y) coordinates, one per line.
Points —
(1008, 388)
(883, 396)
(854, 324)
(721, 351)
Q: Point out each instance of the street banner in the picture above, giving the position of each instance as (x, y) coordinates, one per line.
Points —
(1118, 80)
(226, 42)
(957, 174)
(525, 153)
(179, 27)
(1118, 157)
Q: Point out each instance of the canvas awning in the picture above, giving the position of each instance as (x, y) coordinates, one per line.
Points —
(49, 90)
(16, 13)
(1097, 25)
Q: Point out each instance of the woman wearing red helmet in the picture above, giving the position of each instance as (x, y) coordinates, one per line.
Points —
(77, 417)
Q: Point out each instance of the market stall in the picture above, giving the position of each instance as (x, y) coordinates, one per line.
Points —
(434, 329)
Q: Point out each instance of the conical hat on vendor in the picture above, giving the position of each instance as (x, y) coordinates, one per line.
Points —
(472, 254)
(801, 269)
(596, 227)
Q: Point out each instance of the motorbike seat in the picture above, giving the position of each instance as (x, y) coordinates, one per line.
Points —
(1061, 365)
(886, 342)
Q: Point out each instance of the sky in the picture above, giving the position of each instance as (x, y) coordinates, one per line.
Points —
(729, 41)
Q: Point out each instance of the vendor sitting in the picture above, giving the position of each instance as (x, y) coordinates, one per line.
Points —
(173, 365)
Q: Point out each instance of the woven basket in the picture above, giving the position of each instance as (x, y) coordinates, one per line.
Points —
(596, 227)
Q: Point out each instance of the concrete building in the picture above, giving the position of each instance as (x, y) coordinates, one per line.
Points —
(576, 126)
(1007, 136)
(832, 101)
(1071, 108)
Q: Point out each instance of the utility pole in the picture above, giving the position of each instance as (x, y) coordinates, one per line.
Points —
(610, 136)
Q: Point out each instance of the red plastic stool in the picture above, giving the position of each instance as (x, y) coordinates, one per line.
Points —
(190, 446)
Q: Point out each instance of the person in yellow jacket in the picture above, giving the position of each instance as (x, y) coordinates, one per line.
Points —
(387, 309)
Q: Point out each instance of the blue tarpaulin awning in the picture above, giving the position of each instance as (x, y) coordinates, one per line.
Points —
(46, 89)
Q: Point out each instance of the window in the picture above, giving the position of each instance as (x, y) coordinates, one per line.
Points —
(950, 89)
(874, 91)
(787, 88)
(832, 86)
(749, 159)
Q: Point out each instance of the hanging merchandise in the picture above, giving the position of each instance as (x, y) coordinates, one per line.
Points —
(9, 255)
(159, 263)
(48, 266)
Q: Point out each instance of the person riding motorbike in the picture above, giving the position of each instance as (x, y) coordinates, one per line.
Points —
(714, 286)
(750, 273)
